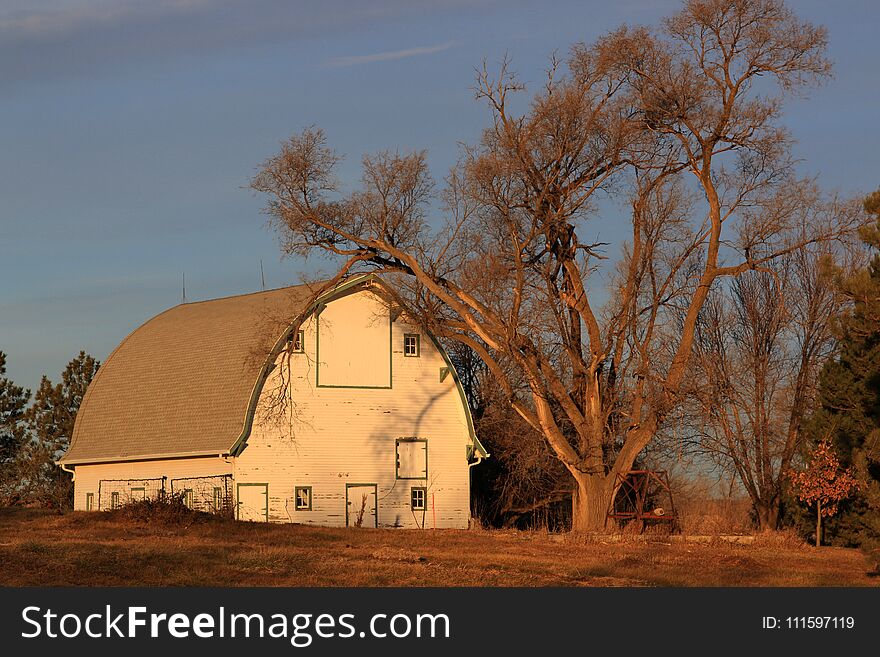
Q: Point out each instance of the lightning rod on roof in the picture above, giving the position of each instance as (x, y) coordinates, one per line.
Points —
(262, 275)
(184, 288)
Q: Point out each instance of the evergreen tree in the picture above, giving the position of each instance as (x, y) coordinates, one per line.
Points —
(51, 419)
(848, 407)
(13, 404)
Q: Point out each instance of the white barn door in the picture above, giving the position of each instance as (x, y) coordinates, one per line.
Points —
(360, 505)
(253, 502)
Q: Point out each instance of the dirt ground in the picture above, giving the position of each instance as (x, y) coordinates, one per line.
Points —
(39, 548)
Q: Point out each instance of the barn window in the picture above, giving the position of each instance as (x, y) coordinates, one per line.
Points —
(411, 345)
(218, 499)
(90, 501)
(418, 498)
(188, 498)
(297, 342)
(303, 496)
(412, 458)
(114, 500)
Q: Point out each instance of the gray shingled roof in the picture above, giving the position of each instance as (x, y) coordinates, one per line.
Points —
(181, 384)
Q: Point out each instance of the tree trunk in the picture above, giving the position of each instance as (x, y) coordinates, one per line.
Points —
(590, 502)
(768, 514)
(818, 524)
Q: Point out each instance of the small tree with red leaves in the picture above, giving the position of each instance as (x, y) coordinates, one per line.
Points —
(824, 484)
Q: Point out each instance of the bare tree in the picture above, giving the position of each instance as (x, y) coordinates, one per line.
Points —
(524, 480)
(759, 346)
(659, 114)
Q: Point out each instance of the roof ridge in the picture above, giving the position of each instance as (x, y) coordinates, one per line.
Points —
(247, 294)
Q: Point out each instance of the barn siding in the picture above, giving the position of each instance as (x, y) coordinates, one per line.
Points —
(123, 476)
(335, 436)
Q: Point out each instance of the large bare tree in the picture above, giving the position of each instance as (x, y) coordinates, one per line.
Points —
(760, 344)
(681, 120)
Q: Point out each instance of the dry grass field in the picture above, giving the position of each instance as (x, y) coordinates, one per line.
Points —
(114, 549)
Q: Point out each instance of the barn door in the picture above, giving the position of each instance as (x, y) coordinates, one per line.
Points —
(253, 502)
(360, 505)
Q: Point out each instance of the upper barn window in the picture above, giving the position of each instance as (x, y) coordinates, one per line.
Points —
(411, 345)
(297, 342)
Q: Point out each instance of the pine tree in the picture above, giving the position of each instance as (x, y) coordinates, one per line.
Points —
(13, 404)
(51, 419)
(848, 407)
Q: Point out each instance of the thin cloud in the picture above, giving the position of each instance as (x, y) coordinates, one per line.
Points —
(390, 55)
(42, 40)
(44, 20)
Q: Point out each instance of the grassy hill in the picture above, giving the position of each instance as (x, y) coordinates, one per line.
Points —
(39, 548)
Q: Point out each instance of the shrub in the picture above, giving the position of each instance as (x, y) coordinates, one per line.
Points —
(165, 509)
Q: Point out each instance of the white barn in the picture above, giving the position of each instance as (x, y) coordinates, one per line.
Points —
(352, 416)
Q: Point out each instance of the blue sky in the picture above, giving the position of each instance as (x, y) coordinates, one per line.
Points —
(130, 130)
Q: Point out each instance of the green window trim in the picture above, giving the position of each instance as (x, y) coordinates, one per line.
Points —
(188, 500)
(90, 501)
(412, 345)
(397, 444)
(296, 498)
(297, 342)
(418, 498)
(444, 372)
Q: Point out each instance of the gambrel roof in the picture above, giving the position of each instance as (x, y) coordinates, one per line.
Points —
(186, 382)
(182, 383)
